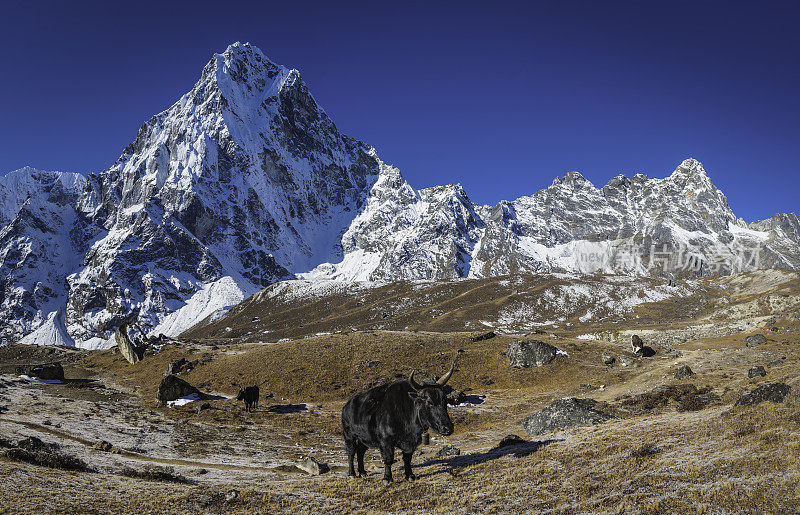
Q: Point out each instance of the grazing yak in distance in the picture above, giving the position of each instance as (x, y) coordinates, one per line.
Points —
(394, 415)
(250, 396)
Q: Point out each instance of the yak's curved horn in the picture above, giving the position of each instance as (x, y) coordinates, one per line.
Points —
(415, 385)
(443, 380)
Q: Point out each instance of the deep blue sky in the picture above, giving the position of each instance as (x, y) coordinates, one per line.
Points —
(501, 97)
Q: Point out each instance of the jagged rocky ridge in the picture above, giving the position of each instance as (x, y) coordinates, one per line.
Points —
(246, 181)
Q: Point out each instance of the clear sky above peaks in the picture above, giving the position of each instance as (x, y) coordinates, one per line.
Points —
(499, 96)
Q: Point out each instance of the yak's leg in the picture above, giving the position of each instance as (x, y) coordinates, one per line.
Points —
(351, 452)
(407, 465)
(387, 453)
(360, 450)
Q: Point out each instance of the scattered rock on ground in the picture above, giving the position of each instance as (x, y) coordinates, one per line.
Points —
(231, 495)
(509, 440)
(456, 397)
(685, 397)
(48, 371)
(608, 359)
(484, 336)
(447, 450)
(103, 445)
(755, 340)
(625, 361)
(173, 387)
(684, 372)
(758, 371)
(775, 363)
(569, 412)
(203, 407)
(175, 367)
(527, 353)
(312, 466)
(773, 392)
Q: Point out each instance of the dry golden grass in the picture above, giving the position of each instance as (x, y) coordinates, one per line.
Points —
(663, 454)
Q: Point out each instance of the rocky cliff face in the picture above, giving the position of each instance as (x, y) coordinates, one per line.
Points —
(246, 181)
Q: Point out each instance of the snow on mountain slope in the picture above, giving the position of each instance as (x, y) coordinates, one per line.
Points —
(37, 249)
(679, 225)
(246, 181)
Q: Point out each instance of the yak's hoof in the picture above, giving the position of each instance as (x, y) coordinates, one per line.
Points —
(411, 477)
(387, 480)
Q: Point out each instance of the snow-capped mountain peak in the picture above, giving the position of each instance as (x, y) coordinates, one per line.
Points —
(245, 180)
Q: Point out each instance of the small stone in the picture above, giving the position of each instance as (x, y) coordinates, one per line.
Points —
(456, 397)
(755, 340)
(775, 363)
(447, 450)
(104, 446)
(684, 372)
(484, 336)
(312, 466)
(756, 372)
(509, 440)
(203, 407)
(608, 359)
(231, 495)
(625, 361)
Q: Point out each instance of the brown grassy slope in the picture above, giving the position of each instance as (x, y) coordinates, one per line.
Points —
(277, 313)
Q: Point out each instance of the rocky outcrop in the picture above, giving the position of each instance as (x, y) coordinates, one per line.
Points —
(130, 351)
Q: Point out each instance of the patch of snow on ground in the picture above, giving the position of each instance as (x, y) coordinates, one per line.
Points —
(182, 401)
(38, 380)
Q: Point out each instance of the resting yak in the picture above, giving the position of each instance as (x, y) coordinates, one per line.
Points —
(394, 415)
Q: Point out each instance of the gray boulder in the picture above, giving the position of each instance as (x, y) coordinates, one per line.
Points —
(172, 388)
(755, 340)
(569, 412)
(758, 371)
(527, 353)
(684, 372)
(772, 392)
(49, 371)
(608, 359)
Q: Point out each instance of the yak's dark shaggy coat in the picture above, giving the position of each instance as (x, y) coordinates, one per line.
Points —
(393, 416)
